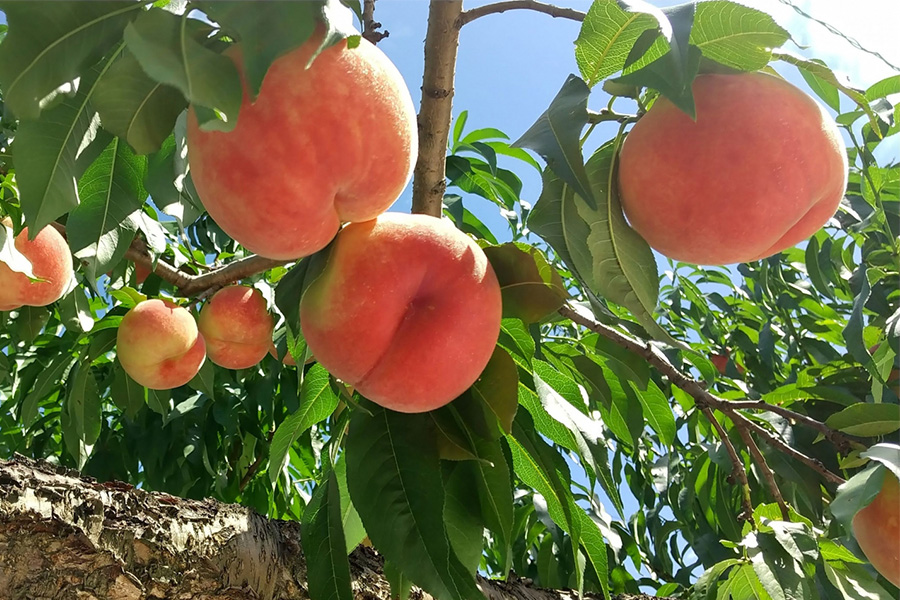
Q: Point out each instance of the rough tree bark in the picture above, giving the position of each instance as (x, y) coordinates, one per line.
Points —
(65, 537)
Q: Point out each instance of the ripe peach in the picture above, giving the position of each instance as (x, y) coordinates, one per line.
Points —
(761, 169)
(877, 530)
(407, 310)
(320, 145)
(51, 262)
(237, 327)
(159, 345)
(720, 361)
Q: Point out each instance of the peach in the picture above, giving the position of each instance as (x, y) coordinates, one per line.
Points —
(51, 262)
(761, 169)
(237, 327)
(319, 146)
(406, 310)
(877, 530)
(288, 360)
(159, 345)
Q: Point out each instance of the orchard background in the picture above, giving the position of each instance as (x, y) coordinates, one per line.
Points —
(714, 441)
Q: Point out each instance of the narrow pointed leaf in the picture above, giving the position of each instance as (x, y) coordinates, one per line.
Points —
(52, 43)
(556, 136)
(135, 107)
(322, 535)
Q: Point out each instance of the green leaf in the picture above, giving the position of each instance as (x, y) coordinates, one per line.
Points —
(168, 181)
(127, 393)
(394, 477)
(10, 255)
(495, 395)
(742, 584)
(354, 532)
(135, 107)
(322, 535)
(167, 49)
(855, 494)
(531, 288)
(83, 405)
(31, 322)
(883, 88)
(595, 548)
(493, 484)
(608, 34)
(826, 75)
(556, 136)
(866, 419)
(657, 411)
(707, 584)
(539, 466)
(462, 516)
(822, 88)
(45, 383)
(204, 380)
(273, 32)
(853, 330)
(671, 76)
(45, 153)
(75, 311)
(52, 43)
(854, 582)
(614, 261)
(317, 402)
(736, 35)
(102, 227)
(887, 454)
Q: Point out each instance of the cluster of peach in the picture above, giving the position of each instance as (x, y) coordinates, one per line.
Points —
(407, 308)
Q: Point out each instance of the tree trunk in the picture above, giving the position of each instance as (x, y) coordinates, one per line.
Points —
(66, 537)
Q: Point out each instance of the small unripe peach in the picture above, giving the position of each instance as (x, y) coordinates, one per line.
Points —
(237, 327)
(159, 345)
(407, 310)
(51, 262)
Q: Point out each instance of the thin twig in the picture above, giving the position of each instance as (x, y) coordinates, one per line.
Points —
(256, 464)
(702, 397)
(370, 25)
(441, 43)
(738, 471)
(499, 7)
(814, 464)
(843, 443)
(767, 473)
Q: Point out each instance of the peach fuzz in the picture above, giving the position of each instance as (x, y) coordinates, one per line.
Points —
(237, 327)
(406, 310)
(159, 345)
(877, 530)
(51, 262)
(332, 143)
(761, 169)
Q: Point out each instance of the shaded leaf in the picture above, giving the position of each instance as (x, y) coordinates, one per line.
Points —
(531, 287)
(322, 534)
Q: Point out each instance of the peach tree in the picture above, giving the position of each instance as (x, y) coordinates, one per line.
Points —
(638, 424)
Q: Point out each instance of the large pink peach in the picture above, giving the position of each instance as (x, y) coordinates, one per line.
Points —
(159, 346)
(407, 310)
(51, 263)
(322, 145)
(237, 327)
(761, 169)
(877, 530)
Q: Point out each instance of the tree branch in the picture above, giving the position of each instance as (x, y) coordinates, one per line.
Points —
(841, 441)
(814, 464)
(441, 43)
(767, 473)
(193, 285)
(370, 25)
(108, 541)
(499, 7)
(702, 397)
(738, 470)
